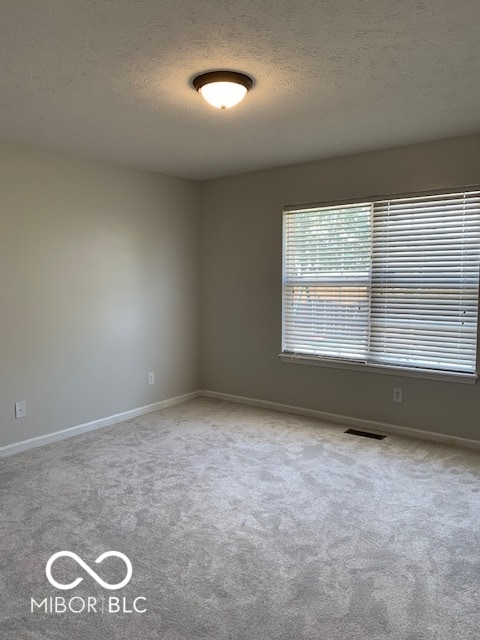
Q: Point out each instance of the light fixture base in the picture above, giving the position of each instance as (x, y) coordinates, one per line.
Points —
(222, 76)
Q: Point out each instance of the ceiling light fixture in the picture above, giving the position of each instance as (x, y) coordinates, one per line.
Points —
(223, 89)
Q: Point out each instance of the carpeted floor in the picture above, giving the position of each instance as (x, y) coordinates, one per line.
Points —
(244, 524)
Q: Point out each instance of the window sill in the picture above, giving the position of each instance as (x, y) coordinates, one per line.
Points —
(450, 376)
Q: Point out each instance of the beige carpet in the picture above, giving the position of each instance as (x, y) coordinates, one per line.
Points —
(244, 523)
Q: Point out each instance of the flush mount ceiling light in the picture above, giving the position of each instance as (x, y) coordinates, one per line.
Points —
(223, 89)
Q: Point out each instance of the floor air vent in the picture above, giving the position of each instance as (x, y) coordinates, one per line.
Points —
(365, 434)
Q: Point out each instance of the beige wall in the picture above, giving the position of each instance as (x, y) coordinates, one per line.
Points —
(241, 286)
(98, 282)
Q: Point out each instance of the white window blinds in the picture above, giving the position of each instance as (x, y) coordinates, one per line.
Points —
(327, 281)
(392, 282)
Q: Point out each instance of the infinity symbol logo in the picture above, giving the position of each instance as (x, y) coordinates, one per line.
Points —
(96, 577)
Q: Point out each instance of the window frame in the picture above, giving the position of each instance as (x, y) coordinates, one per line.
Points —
(368, 367)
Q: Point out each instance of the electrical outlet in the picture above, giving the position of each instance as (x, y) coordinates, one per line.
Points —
(151, 378)
(20, 409)
(397, 394)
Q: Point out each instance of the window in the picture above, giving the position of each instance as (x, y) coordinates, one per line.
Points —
(387, 283)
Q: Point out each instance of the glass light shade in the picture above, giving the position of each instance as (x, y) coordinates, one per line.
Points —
(223, 95)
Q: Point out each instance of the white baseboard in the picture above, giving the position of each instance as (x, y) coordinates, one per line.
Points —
(370, 425)
(17, 447)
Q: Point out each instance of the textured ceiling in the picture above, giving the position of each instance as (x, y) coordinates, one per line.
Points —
(110, 78)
